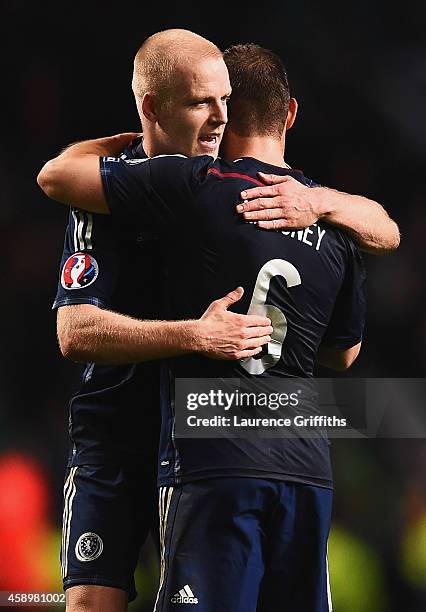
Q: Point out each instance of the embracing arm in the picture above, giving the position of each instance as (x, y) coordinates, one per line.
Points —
(87, 333)
(336, 359)
(73, 177)
(365, 220)
(287, 204)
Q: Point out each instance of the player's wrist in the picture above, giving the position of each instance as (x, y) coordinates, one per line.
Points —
(322, 202)
(194, 336)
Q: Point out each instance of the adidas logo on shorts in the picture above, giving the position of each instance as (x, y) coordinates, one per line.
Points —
(185, 596)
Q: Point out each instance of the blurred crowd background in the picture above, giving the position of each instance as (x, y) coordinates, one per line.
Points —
(358, 71)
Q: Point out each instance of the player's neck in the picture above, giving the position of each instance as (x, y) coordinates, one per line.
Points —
(149, 145)
(263, 148)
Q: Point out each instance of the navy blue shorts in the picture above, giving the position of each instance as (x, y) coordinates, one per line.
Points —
(108, 513)
(244, 545)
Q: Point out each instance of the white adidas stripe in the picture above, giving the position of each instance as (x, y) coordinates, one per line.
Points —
(64, 518)
(74, 216)
(164, 500)
(69, 494)
(330, 603)
(82, 236)
(188, 591)
(185, 593)
(161, 495)
(89, 232)
(73, 492)
(80, 232)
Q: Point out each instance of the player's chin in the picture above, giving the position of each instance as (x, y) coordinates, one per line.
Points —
(207, 148)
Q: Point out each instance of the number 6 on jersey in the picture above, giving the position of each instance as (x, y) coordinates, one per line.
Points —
(258, 306)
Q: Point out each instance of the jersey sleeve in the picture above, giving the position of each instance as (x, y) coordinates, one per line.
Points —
(89, 264)
(312, 183)
(156, 192)
(346, 326)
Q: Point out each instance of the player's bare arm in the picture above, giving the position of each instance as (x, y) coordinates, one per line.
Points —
(337, 359)
(287, 204)
(88, 333)
(73, 177)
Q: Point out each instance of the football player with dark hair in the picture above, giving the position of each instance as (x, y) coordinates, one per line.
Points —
(190, 204)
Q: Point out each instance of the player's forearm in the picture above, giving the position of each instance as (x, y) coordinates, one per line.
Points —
(73, 177)
(109, 145)
(87, 333)
(110, 338)
(283, 203)
(365, 220)
(338, 360)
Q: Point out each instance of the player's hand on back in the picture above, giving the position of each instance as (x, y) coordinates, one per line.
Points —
(222, 334)
(282, 204)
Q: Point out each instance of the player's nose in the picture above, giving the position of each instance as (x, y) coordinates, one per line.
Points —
(219, 114)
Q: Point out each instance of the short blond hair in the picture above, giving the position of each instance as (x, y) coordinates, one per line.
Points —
(159, 57)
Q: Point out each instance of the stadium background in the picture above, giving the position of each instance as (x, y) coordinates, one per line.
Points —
(356, 69)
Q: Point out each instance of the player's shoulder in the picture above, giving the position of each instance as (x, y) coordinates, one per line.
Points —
(134, 150)
(337, 244)
(166, 166)
(87, 231)
(178, 172)
(180, 160)
(249, 167)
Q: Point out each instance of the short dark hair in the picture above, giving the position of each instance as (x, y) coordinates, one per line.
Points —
(260, 93)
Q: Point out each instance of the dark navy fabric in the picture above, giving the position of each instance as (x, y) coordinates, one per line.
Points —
(244, 545)
(310, 282)
(114, 415)
(108, 514)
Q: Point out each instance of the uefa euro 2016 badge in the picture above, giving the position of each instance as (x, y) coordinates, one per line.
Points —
(80, 270)
(89, 547)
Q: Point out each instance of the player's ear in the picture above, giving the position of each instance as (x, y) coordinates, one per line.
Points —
(149, 107)
(292, 112)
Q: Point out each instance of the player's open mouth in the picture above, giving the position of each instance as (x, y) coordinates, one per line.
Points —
(210, 141)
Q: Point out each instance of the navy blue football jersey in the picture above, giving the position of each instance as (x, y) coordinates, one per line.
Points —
(114, 416)
(309, 282)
